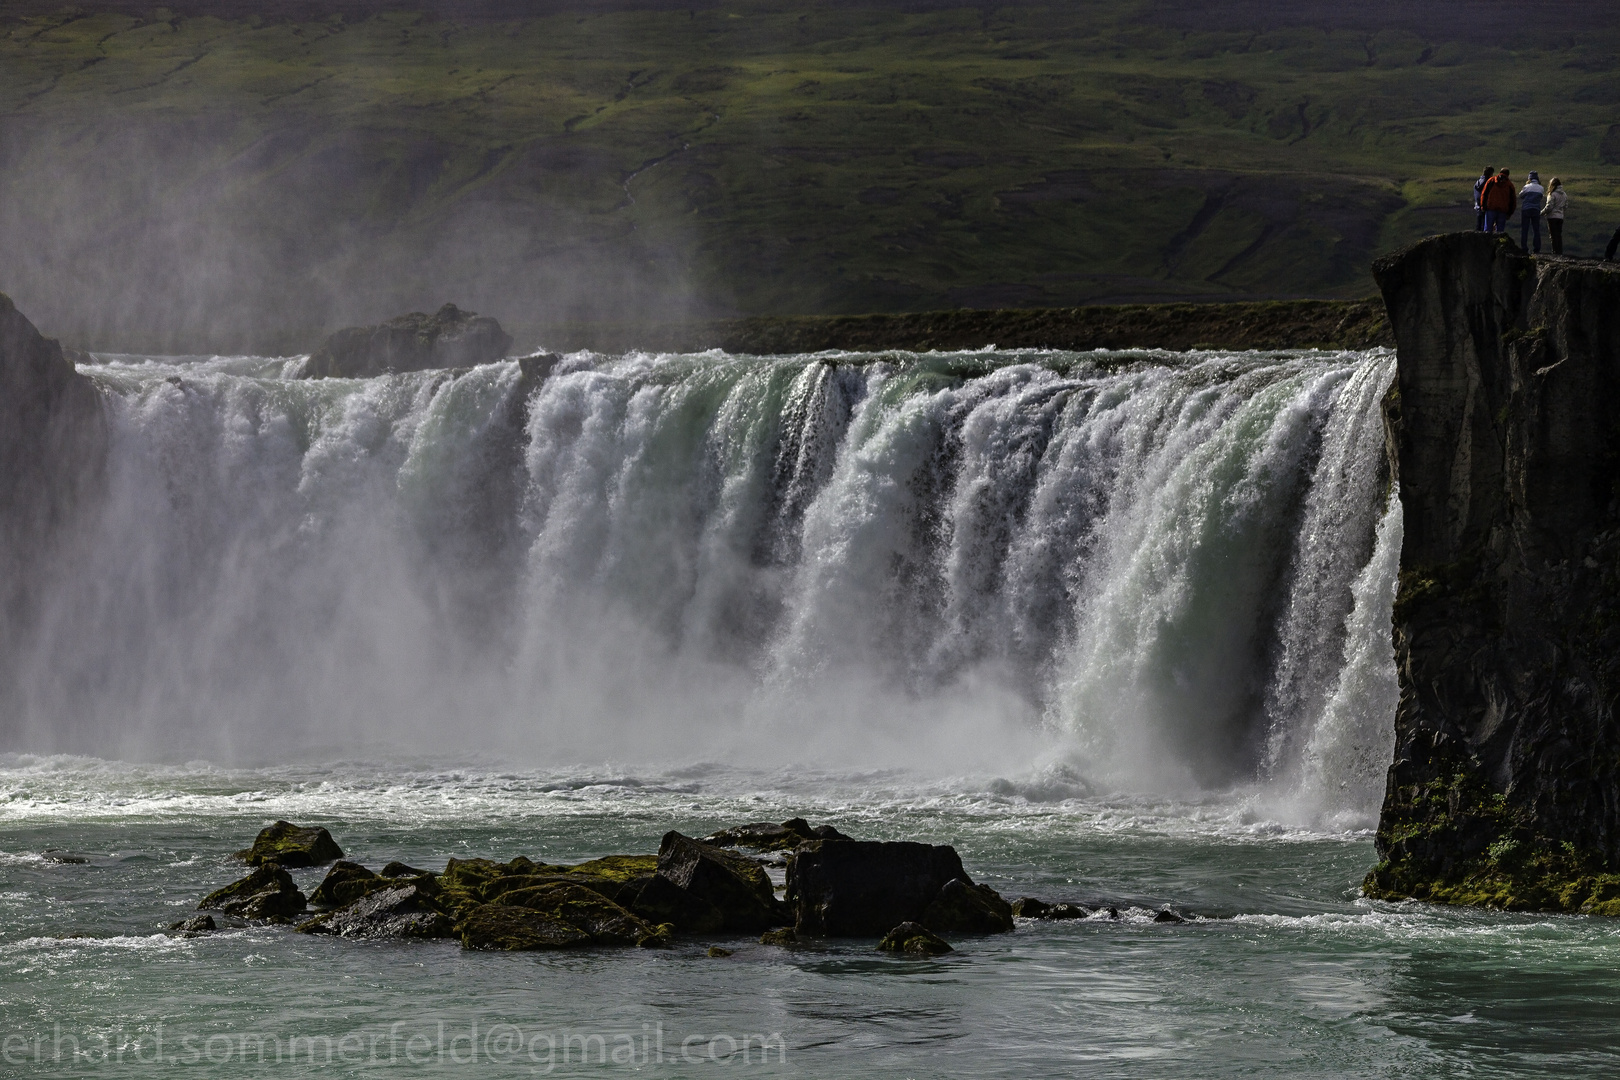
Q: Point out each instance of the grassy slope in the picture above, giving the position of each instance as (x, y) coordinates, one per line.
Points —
(219, 181)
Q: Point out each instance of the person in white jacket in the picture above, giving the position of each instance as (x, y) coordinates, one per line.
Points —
(1532, 197)
(1557, 200)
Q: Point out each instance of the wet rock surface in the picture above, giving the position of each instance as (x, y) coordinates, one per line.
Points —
(709, 890)
(1504, 434)
(909, 937)
(195, 926)
(395, 911)
(964, 908)
(773, 836)
(850, 888)
(345, 883)
(689, 888)
(267, 893)
(290, 845)
(1028, 907)
(501, 928)
(448, 338)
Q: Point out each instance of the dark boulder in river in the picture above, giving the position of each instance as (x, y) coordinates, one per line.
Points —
(345, 883)
(770, 836)
(1504, 427)
(449, 338)
(850, 888)
(701, 888)
(398, 910)
(500, 928)
(196, 926)
(291, 845)
(267, 893)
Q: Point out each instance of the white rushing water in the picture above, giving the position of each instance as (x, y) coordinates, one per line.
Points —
(1132, 572)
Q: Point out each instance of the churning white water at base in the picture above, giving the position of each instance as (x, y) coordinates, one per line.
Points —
(1096, 571)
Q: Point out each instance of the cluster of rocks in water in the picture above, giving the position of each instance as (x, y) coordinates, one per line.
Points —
(906, 894)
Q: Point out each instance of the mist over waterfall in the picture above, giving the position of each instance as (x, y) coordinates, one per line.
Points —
(1148, 571)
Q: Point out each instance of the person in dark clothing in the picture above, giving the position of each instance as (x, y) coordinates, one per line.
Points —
(1614, 242)
(1532, 197)
(1479, 211)
(1498, 199)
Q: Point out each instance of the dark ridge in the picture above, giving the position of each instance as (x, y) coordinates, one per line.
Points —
(1274, 324)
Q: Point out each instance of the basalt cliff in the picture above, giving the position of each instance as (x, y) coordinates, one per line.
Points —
(1504, 432)
(53, 447)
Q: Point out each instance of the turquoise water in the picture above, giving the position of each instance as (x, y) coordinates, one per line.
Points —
(1283, 970)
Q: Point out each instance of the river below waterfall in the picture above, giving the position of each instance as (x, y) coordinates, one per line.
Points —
(1283, 970)
(1114, 624)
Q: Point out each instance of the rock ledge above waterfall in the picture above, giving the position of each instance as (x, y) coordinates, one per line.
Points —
(449, 338)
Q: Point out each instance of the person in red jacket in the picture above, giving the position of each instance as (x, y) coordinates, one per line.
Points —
(1498, 199)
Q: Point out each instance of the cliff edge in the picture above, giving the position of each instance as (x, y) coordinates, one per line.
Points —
(53, 448)
(1504, 432)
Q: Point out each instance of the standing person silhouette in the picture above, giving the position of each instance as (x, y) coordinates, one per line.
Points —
(1498, 199)
(1479, 211)
(1532, 197)
(1553, 214)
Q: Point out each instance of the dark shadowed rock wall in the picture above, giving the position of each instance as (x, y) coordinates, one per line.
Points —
(1505, 429)
(53, 447)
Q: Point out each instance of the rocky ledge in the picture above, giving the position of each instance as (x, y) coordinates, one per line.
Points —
(1504, 434)
(449, 338)
(835, 887)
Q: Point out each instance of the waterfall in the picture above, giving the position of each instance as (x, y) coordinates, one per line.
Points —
(1176, 569)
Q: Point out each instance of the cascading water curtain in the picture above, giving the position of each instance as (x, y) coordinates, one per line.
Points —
(1175, 567)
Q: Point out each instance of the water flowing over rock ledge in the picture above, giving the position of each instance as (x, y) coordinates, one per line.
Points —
(1504, 425)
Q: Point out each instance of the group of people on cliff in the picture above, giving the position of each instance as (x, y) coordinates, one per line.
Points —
(1496, 200)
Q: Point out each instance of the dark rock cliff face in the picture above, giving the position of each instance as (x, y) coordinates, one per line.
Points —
(53, 448)
(446, 339)
(1505, 430)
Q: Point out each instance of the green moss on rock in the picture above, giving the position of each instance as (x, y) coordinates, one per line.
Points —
(1487, 854)
(291, 845)
(910, 937)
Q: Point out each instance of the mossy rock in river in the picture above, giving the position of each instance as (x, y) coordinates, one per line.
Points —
(620, 878)
(397, 910)
(502, 928)
(910, 937)
(606, 922)
(470, 882)
(267, 893)
(290, 845)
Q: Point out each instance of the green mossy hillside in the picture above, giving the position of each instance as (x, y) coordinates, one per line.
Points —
(220, 175)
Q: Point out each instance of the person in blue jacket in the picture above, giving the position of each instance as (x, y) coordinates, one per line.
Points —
(1532, 197)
